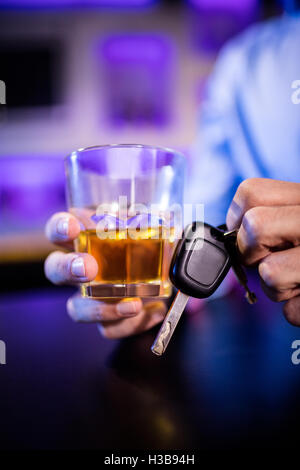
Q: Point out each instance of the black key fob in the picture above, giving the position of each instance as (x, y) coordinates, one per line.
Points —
(200, 261)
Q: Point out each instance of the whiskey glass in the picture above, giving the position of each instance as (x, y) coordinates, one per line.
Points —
(127, 198)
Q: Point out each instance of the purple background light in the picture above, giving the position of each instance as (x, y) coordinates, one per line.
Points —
(138, 73)
(126, 75)
(231, 5)
(74, 3)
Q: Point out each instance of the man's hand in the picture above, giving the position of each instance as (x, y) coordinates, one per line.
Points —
(115, 320)
(267, 214)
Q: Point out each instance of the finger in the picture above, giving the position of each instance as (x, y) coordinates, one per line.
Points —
(62, 228)
(280, 274)
(70, 268)
(291, 311)
(260, 192)
(266, 229)
(152, 314)
(87, 310)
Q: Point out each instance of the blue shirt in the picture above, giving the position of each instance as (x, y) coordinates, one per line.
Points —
(249, 124)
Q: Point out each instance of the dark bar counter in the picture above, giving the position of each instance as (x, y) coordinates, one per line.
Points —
(226, 382)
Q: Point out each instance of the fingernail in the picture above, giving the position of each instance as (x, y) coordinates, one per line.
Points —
(62, 226)
(78, 267)
(127, 308)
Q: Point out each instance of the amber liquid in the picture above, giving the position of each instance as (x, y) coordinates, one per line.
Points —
(139, 259)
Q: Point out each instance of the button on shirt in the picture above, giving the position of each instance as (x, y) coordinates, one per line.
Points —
(250, 120)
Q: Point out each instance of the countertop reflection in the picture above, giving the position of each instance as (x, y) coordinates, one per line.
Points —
(226, 381)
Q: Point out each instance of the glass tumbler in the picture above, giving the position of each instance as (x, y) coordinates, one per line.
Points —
(127, 199)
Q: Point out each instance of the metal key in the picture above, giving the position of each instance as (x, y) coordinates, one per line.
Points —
(201, 261)
(169, 324)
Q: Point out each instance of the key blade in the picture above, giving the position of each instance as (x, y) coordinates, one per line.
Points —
(238, 270)
(250, 296)
(231, 234)
(169, 324)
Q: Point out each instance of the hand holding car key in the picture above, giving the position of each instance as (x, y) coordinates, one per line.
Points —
(197, 270)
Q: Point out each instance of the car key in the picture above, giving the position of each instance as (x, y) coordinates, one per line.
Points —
(201, 261)
(199, 264)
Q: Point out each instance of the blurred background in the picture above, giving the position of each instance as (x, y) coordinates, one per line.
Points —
(81, 73)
